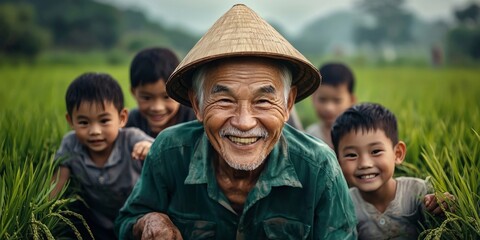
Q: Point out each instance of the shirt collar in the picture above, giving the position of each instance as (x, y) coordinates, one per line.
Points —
(113, 159)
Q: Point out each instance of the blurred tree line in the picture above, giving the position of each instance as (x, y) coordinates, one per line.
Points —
(384, 31)
(464, 39)
(390, 23)
(28, 27)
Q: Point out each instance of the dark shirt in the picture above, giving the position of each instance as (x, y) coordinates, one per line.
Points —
(301, 193)
(104, 189)
(135, 119)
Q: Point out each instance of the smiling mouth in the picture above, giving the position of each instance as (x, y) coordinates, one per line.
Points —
(243, 140)
(368, 176)
(95, 141)
(157, 117)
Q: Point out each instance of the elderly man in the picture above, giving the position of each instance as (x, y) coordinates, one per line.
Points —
(239, 172)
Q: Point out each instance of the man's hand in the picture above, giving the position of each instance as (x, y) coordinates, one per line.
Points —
(432, 203)
(140, 150)
(155, 225)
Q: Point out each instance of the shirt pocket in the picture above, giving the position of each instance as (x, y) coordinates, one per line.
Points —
(282, 228)
(196, 229)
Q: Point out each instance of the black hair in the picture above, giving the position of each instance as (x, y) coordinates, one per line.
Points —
(365, 117)
(152, 64)
(337, 73)
(95, 88)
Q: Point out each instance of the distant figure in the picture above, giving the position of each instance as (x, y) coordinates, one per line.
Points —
(100, 156)
(437, 56)
(149, 71)
(365, 139)
(333, 96)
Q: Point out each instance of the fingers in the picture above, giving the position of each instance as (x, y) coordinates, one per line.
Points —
(140, 150)
(438, 205)
(158, 226)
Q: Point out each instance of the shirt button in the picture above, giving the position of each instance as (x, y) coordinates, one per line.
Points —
(101, 179)
(382, 221)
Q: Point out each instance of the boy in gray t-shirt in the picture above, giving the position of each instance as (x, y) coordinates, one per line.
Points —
(365, 139)
(102, 158)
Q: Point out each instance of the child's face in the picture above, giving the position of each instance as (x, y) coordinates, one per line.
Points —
(155, 105)
(368, 159)
(97, 127)
(331, 101)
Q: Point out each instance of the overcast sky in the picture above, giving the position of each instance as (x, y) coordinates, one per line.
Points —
(292, 15)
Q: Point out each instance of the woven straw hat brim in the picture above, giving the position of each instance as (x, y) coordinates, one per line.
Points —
(240, 32)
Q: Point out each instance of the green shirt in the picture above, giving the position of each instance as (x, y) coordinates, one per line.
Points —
(301, 193)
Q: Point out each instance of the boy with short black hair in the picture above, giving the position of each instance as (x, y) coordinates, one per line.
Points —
(98, 154)
(149, 71)
(365, 139)
(333, 96)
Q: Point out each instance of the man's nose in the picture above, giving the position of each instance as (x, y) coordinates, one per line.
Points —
(244, 119)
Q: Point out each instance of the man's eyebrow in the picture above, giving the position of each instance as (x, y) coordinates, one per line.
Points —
(219, 88)
(267, 89)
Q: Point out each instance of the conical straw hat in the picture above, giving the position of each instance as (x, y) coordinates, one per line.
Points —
(241, 32)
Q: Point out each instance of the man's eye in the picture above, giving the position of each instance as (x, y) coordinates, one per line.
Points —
(225, 100)
(263, 101)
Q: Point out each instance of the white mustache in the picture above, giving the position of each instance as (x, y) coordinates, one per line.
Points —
(255, 132)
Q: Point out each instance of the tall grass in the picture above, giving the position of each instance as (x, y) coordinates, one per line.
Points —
(26, 167)
(438, 113)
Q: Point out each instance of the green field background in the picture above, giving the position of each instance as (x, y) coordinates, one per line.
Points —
(438, 111)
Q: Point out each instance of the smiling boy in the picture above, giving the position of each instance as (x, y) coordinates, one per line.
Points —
(149, 70)
(98, 154)
(365, 139)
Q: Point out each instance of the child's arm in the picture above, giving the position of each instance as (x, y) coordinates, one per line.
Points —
(432, 202)
(140, 150)
(60, 178)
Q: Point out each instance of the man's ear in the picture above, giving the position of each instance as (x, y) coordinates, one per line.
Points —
(132, 91)
(69, 120)
(291, 101)
(400, 151)
(123, 117)
(192, 96)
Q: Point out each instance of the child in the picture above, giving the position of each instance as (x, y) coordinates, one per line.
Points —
(98, 154)
(156, 111)
(365, 139)
(332, 97)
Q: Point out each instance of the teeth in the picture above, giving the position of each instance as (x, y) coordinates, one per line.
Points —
(243, 141)
(368, 176)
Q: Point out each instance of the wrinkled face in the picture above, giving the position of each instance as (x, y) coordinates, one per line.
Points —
(97, 127)
(368, 159)
(155, 105)
(331, 101)
(244, 110)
